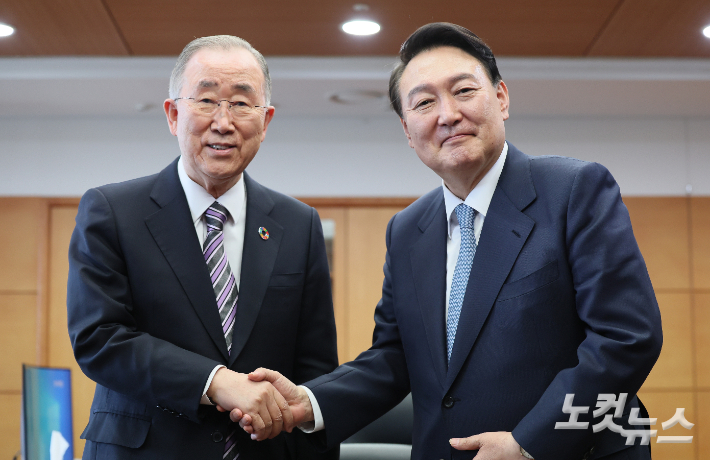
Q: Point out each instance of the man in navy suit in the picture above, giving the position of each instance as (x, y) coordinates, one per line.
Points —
(553, 299)
(169, 306)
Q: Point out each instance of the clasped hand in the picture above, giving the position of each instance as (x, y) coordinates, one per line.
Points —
(255, 400)
(291, 400)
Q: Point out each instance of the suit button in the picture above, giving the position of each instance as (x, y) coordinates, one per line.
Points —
(217, 436)
(448, 402)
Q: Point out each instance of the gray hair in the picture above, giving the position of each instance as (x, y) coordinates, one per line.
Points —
(224, 42)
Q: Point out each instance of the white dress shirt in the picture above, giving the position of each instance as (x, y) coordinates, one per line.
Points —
(479, 199)
(235, 200)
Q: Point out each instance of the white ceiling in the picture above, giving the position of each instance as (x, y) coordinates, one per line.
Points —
(137, 86)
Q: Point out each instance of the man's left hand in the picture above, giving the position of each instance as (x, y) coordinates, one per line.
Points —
(490, 446)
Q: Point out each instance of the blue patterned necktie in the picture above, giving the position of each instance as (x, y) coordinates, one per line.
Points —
(465, 215)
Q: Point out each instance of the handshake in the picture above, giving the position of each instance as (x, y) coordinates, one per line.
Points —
(264, 403)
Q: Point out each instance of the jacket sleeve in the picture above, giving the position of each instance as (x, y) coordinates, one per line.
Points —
(316, 348)
(360, 391)
(108, 345)
(615, 302)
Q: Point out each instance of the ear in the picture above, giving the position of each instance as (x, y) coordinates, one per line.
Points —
(406, 131)
(267, 119)
(502, 94)
(171, 112)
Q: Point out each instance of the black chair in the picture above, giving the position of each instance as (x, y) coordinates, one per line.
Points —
(395, 427)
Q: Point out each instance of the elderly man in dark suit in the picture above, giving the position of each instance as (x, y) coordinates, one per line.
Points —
(183, 281)
(515, 284)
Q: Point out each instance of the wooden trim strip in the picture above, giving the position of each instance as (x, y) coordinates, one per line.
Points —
(64, 201)
(358, 202)
(11, 392)
(315, 201)
(18, 292)
(42, 342)
(688, 389)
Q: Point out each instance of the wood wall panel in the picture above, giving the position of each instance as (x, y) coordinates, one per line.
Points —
(661, 229)
(702, 425)
(60, 351)
(366, 256)
(18, 257)
(700, 227)
(10, 405)
(339, 275)
(674, 368)
(359, 254)
(662, 405)
(702, 339)
(17, 338)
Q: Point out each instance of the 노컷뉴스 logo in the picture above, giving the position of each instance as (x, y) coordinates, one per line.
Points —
(607, 401)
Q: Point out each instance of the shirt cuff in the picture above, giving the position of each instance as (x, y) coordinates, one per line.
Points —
(205, 400)
(318, 423)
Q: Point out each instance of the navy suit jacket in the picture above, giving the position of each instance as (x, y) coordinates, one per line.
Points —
(558, 301)
(144, 324)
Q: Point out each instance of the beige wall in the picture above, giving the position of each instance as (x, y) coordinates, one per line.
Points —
(670, 232)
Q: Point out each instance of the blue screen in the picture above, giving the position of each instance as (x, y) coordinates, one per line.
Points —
(46, 413)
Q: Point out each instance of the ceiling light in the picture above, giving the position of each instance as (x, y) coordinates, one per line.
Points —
(6, 30)
(706, 31)
(361, 27)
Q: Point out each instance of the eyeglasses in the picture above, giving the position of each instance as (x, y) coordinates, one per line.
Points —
(209, 106)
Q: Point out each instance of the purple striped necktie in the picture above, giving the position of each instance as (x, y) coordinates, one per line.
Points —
(225, 287)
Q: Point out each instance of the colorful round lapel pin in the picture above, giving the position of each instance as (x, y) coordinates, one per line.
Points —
(263, 233)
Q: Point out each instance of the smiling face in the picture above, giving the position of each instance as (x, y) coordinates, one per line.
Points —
(217, 148)
(453, 115)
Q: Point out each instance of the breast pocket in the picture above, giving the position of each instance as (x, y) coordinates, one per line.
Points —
(535, 280)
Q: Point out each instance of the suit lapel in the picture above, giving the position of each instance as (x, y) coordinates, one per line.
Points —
(504, 233)
(428, 258)
(174, 233)
(258, 259)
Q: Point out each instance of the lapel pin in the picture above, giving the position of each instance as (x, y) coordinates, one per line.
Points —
(263, 233)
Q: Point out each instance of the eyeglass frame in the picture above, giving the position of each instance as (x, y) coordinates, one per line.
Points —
(219, 104)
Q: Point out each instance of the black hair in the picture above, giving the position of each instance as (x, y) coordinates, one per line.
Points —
(435, 35)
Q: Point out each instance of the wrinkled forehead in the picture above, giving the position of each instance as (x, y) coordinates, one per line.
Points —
(233, 71)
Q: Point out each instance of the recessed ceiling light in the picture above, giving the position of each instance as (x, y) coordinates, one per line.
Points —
(706, 31)
(6, 30)
(361, 27)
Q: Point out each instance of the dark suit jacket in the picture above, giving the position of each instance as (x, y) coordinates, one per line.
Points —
(558, 301)
(144, 324)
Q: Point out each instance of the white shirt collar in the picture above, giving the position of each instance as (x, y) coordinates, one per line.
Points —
(199, 200)
(481, 195)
